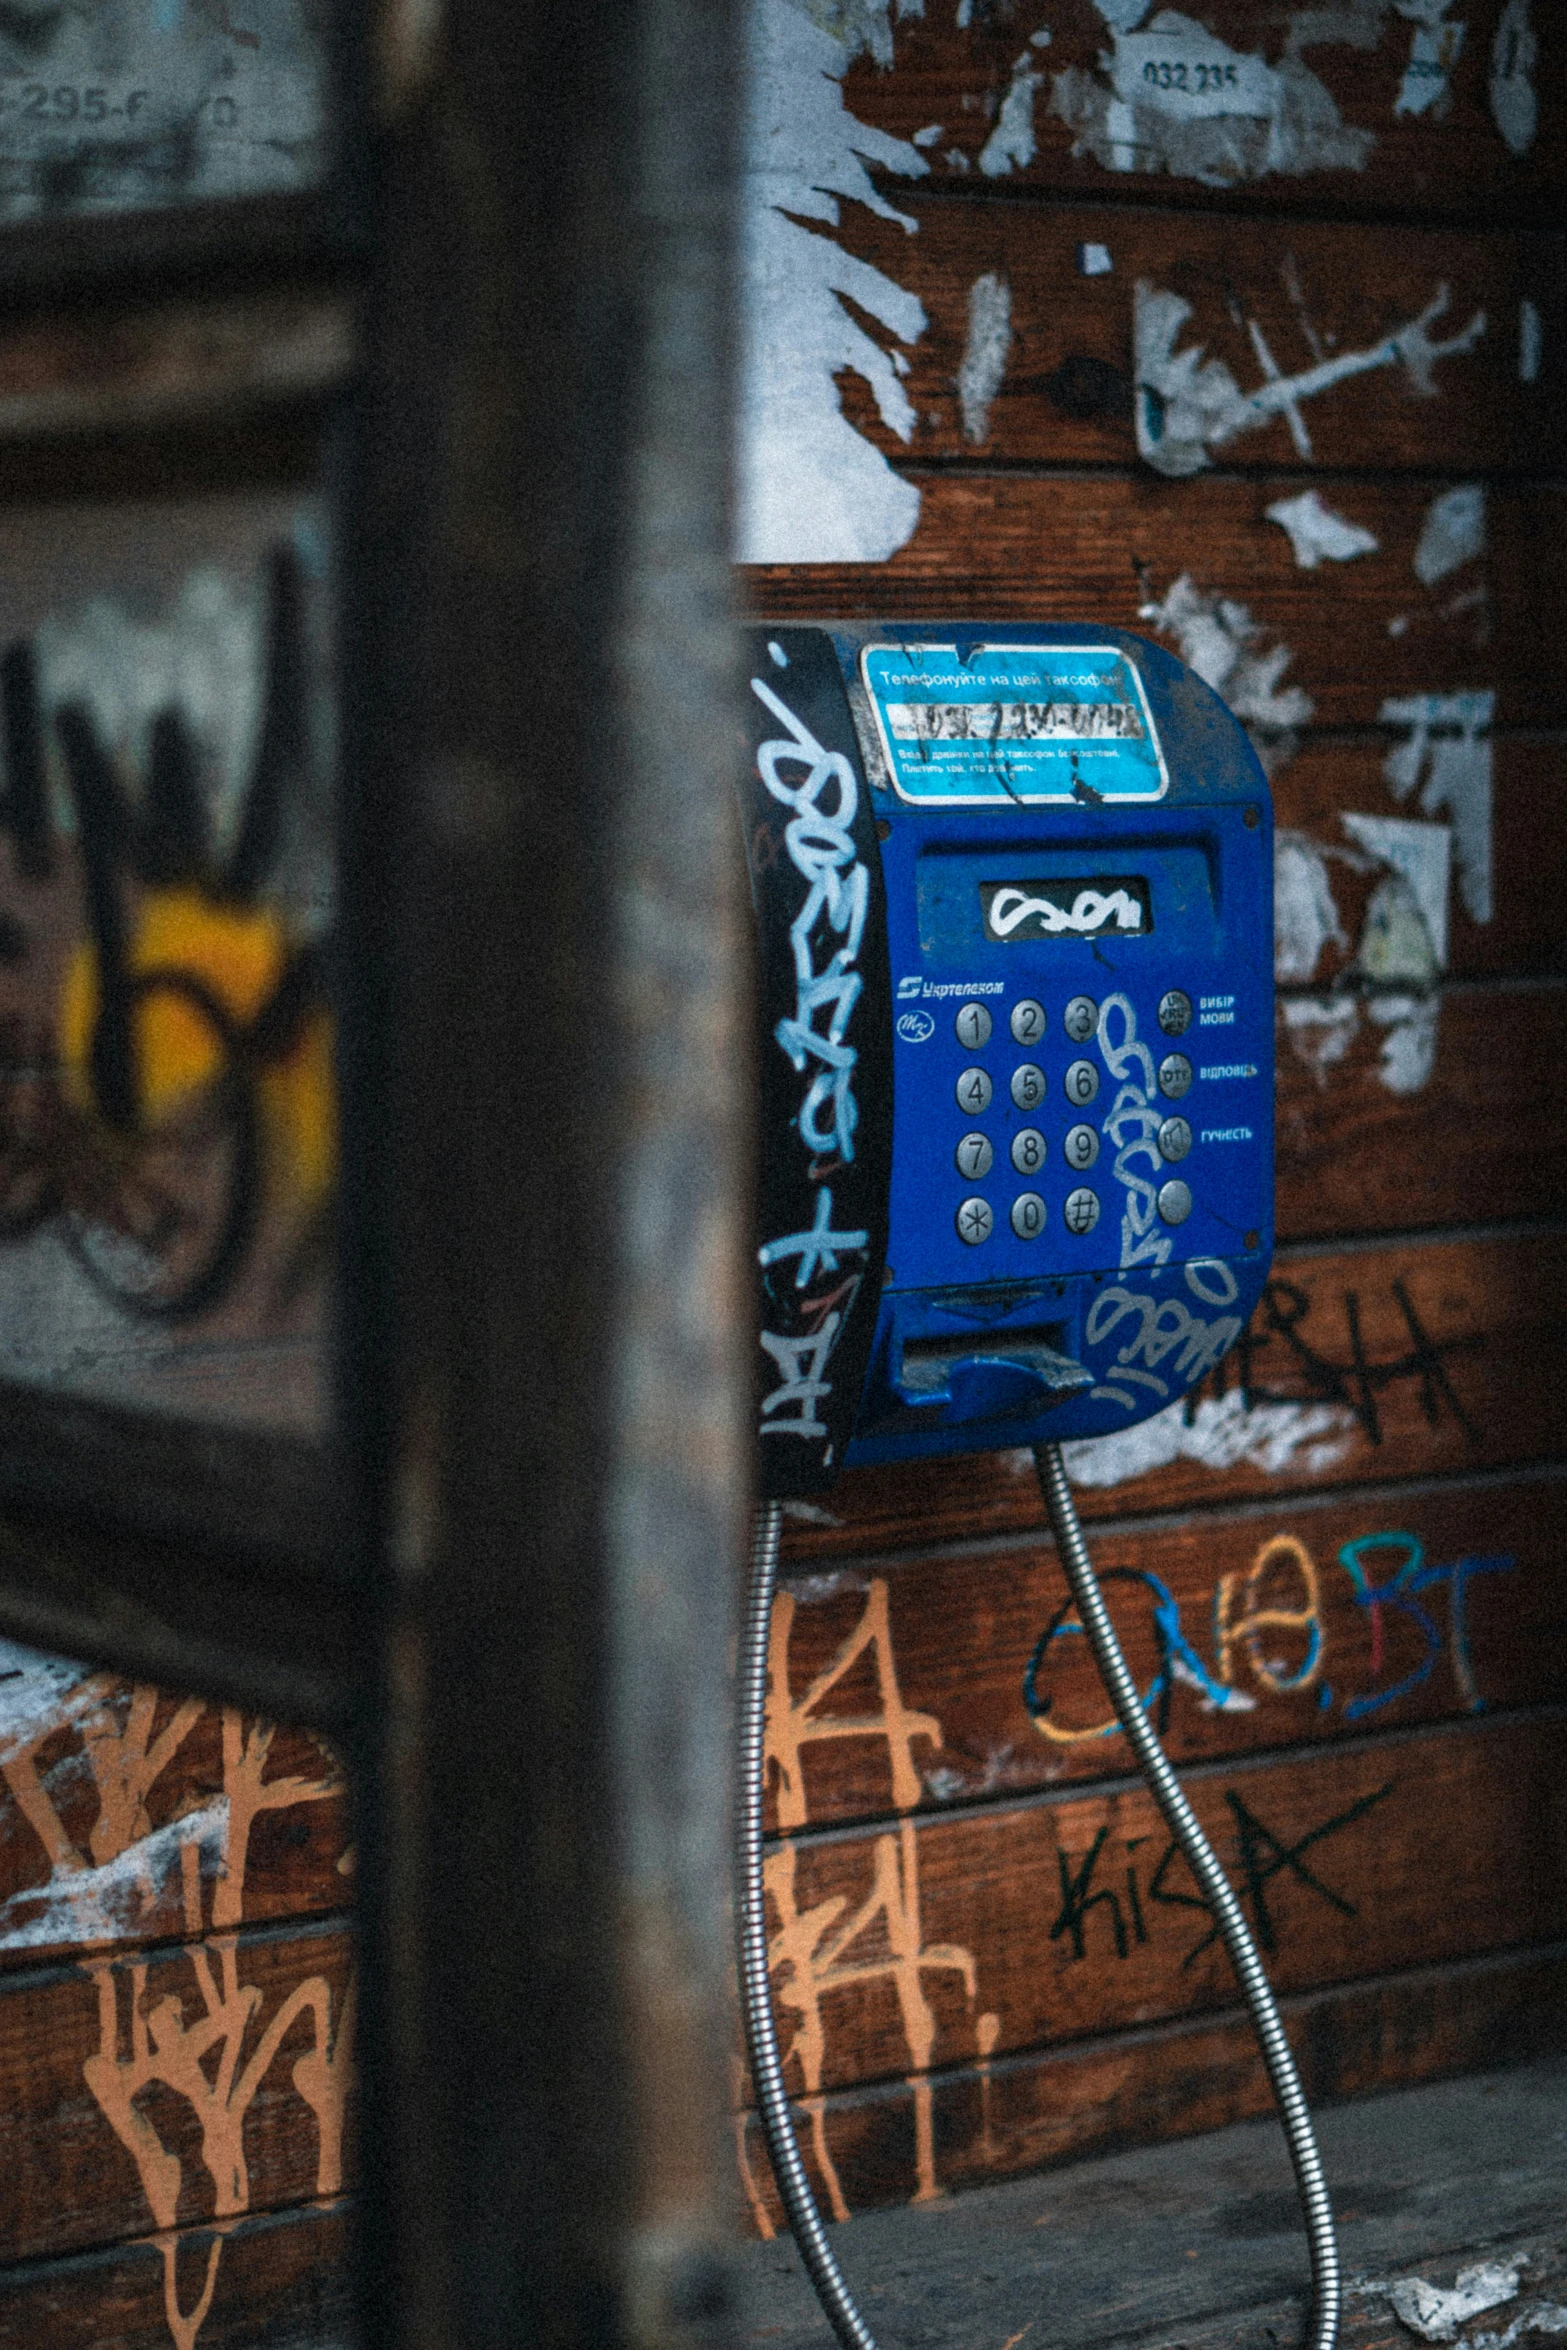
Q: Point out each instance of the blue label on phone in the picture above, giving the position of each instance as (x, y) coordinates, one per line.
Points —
(1026, 723)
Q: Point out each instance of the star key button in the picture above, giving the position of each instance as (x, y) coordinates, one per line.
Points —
(976, 1221)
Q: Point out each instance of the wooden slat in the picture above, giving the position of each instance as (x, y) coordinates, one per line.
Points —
(1325, 780)
(1459, 1344)
(1433, 162)
(1276, 1605)
(1313, 290)
(280, 2281)
(1134, 2089)
(71, 2181)
(1028, 1925)
(135, 370)
(1478, 1139)
(1002, 546)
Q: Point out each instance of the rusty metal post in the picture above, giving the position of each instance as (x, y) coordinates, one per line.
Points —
(543, 1298)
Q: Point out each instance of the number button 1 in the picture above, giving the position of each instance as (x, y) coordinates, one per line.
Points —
(974, 1091)
(973, 1026)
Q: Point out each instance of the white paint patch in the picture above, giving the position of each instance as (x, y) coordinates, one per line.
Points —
(1436, 2314)
(810, 488)
(1514, 55)
(1187, 405)
(1011, 143)
(1419, 856)
(1449, 745)
(985, 352)
(1305, 914)
(1434, 50)
(1452, 534)
(1307, 1438)
(32, 1688)
(1173, 97)
(1094, 261)
(1316, 533)
(1321, 1030)
(119, 1900)
(1409, 1047)
(1229, 651)
(1531, 339)
(1540, 2317)
(1121, 15)
(206, 657)
(929, 135)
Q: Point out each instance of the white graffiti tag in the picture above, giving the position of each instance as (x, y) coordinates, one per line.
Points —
(801, 1363)
(1132, 1128)
(821, 849)
(1090, 910)
(1165, 1326)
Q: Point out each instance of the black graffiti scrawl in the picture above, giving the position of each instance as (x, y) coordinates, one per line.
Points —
(826, 1056)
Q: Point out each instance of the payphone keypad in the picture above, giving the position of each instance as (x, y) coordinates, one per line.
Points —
(1028, 1086)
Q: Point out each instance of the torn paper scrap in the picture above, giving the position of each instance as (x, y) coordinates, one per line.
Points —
(1305, 916)
(1449, 746)
(1316, 532)
(1453, 532)
(1420, 856)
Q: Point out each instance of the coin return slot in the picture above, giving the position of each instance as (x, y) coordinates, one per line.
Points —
(1039, 1368)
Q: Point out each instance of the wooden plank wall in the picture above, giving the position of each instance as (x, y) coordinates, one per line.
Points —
(176, 2020)
(1338, 1567)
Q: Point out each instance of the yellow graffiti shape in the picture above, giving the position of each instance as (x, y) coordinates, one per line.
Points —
(1260, 1610)
(792, 1724)
(183, 946)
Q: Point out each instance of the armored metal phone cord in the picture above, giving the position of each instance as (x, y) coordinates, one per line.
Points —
(761, 2036)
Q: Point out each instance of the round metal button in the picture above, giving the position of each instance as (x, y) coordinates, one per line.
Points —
(1175, 1201)
(1081, 1212)
(1082, 1082)
(974, 1156)
(1175, 1139)
(1028, 1150)
(1028, 1215)
(1028, 1021)
(1081, 1148)
(1175, 1076)
(1175, 1012)
(974, 1091)
(973, 1027)
(976, 1221)
(1082, 1018)
(1028, 1086)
